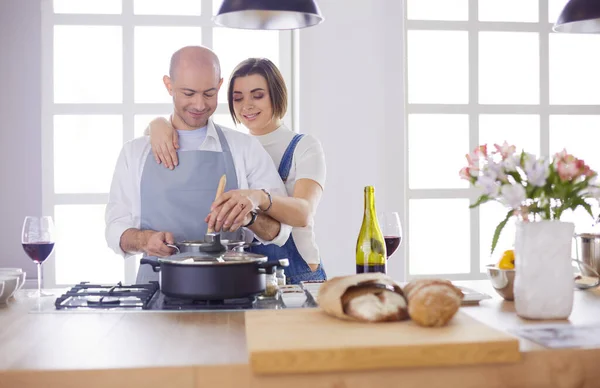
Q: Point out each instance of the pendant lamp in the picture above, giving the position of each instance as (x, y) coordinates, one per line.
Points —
(579, 16)
(268, 14)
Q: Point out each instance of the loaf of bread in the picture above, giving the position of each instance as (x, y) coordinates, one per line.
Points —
(374, 303)
(432, 302)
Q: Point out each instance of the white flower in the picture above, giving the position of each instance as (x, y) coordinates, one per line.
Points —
(511, 162)
(489, 185)
(537, 170)
(513, 195)
(495, 170)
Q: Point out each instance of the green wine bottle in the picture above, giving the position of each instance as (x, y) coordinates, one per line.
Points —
(370, 246)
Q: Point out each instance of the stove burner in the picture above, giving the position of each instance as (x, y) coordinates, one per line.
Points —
(170, 303)
(95, 296)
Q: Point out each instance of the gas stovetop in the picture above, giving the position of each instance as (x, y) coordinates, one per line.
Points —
(148, 297)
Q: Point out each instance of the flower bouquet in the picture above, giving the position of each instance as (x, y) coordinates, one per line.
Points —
(541, 190)
(533, 188)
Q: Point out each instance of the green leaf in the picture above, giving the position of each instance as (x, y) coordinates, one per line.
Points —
(499, 228)
(516, 176)
(587, 207)
(483, 199)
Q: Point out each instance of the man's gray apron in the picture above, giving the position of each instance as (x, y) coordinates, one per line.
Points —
(179, 200)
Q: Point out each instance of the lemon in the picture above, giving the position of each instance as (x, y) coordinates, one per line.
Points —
(507, 261)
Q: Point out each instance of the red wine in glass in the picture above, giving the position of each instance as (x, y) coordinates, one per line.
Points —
(391, 244)
(392, 231)
(38, 251)
(37, 238)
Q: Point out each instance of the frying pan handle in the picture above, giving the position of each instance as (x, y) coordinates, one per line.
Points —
(174, 247)
(269, 266)
(154, 263)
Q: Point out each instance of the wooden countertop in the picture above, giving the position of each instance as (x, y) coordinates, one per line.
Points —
(208, 349)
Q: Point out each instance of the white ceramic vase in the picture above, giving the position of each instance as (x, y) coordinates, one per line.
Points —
(544, 276)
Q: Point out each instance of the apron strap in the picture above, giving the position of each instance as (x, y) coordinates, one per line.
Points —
(286, 161)
(222, 139)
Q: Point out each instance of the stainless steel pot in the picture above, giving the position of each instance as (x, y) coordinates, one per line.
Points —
(213, 277)
(588, 251)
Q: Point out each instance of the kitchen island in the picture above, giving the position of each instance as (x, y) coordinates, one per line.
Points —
(208, 349)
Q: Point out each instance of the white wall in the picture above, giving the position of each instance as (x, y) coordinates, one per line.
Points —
(20, 127)
(351, 82)
(352, 99)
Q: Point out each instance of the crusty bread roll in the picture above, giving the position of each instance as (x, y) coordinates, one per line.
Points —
(432, 302)
(371, 303)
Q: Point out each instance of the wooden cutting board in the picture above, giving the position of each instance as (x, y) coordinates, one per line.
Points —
(308, 340)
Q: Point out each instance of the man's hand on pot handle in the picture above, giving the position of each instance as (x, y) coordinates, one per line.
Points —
(156, 244)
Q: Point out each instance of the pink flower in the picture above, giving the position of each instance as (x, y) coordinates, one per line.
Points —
(482, 150)
(567, 170)
(587, 171)
(465, 173)
(561, 155)
(474, 157)
(505, 150)
(569, 167)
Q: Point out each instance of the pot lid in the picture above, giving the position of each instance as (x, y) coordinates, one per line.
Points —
(202, 243)
(226, 258)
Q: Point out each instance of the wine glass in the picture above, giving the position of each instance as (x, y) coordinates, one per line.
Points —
(38, 242)
(391, 228)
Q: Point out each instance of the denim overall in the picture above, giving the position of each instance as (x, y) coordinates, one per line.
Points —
(178, 200)
(298, 270)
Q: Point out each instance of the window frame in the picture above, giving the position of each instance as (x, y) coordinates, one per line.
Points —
(473, 109)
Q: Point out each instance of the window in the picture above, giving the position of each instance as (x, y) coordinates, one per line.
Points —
(486, 71)
(103, 67)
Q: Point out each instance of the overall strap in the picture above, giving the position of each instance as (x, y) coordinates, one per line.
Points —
(286, 161)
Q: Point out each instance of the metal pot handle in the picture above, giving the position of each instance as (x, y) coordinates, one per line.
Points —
(250, 244)
(174, 247)
(269, 266)
(154, 263)
(576, 249)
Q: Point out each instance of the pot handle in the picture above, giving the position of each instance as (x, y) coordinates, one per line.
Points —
(269, 266)
(250, 244)
(154, 263)
(174, 247)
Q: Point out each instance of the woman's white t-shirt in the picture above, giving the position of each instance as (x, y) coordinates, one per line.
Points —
(308, 162)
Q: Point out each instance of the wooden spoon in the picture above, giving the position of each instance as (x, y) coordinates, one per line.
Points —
(220, 190)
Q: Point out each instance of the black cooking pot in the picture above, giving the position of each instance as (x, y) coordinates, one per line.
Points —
(213, 277)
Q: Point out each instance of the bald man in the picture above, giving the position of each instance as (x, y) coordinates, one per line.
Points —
(150, 206)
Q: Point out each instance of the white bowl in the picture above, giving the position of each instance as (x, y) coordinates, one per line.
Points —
(11, 284)
(15, 271)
